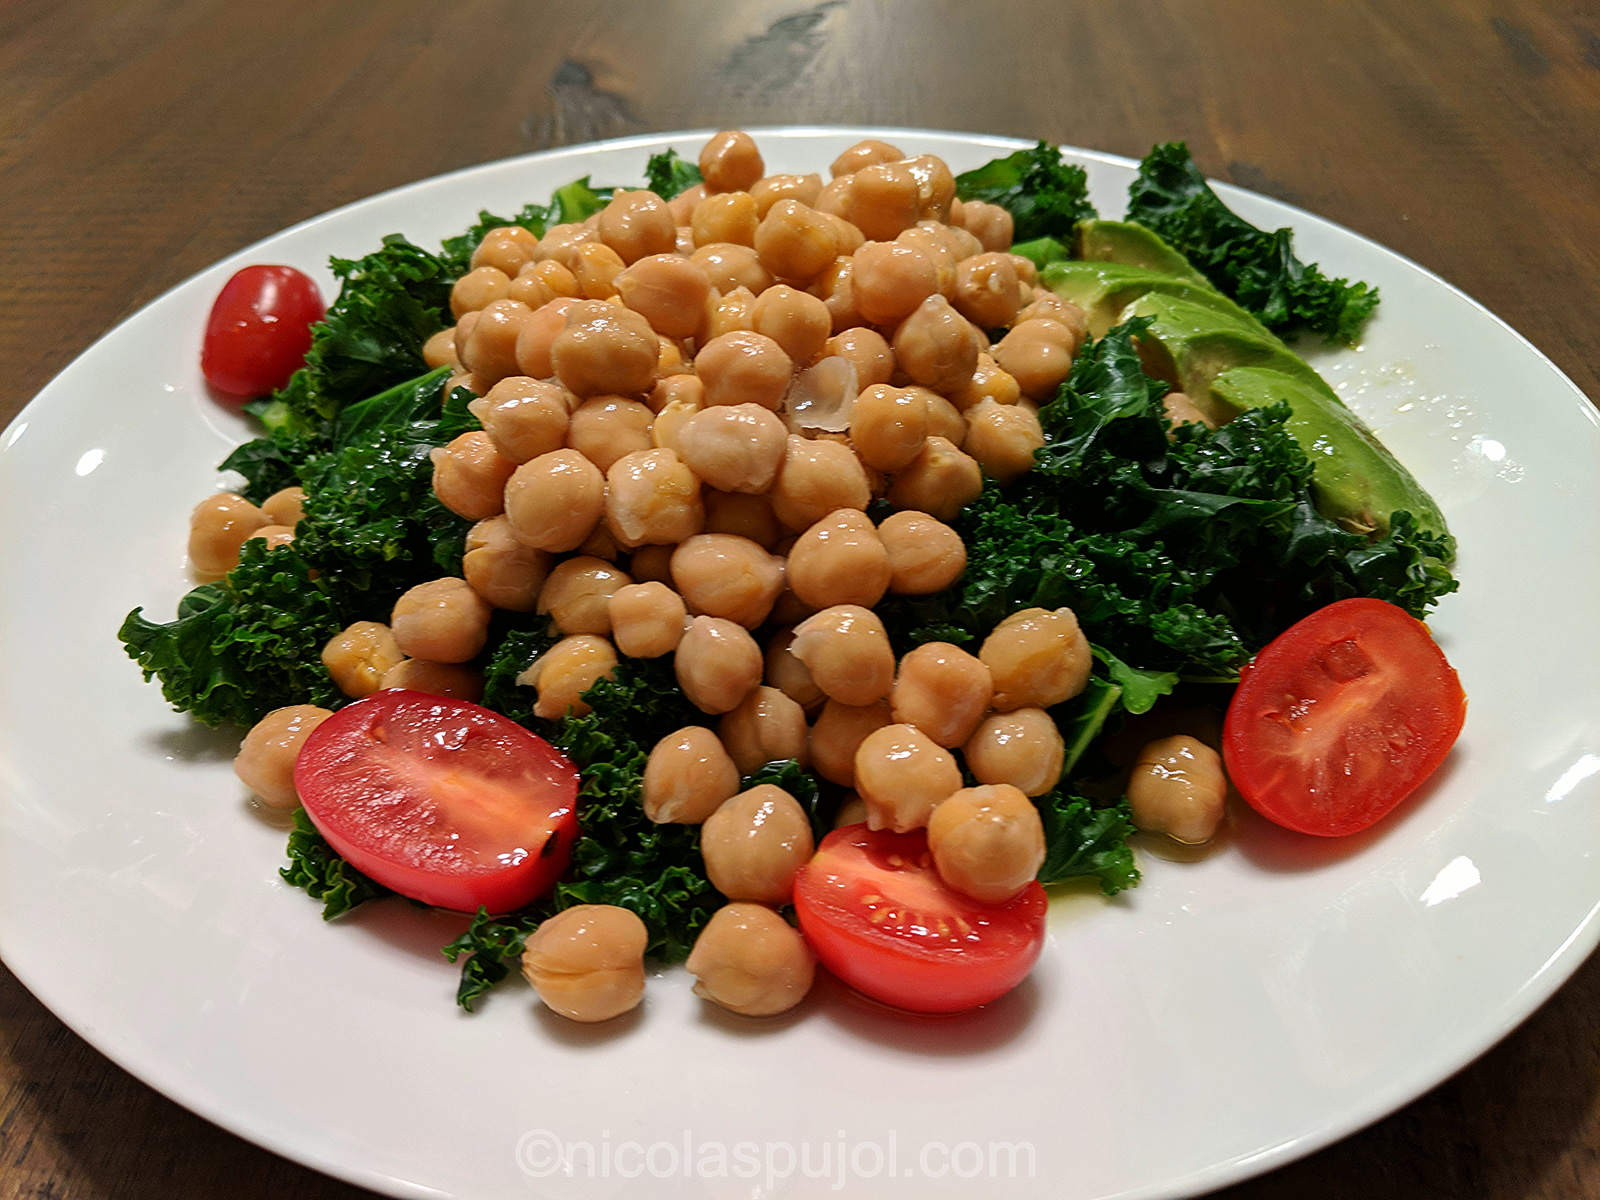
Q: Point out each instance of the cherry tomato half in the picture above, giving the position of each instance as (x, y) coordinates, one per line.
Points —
(877, 914)
(259, 330)
(441, 800)
(1341, 717)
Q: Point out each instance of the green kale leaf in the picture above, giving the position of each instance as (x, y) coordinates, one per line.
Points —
(493, 946)
(322, 874)
(457, 251)
(667, 175)
(1258, 269)
(1085, 841)
(578, 201)
(1045, 196)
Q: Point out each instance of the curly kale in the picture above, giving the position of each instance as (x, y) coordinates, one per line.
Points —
(667, 175)
(1256, 268)
(1045, 196)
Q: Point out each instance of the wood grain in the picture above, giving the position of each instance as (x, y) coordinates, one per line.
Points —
(138, 143)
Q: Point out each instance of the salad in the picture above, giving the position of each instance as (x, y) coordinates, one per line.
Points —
(651, 564)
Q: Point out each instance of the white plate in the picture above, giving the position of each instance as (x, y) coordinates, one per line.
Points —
(1226, 1016)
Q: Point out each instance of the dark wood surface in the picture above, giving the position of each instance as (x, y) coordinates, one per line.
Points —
(139, 143)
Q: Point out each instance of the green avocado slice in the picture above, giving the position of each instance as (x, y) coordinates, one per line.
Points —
(1131, 245)
(1105, 289)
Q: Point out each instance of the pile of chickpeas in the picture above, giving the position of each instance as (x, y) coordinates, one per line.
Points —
(687, 407)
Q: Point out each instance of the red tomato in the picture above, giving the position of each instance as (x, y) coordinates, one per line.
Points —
(259, 330)
(1341, 718)
(441, 800)
(879, 917)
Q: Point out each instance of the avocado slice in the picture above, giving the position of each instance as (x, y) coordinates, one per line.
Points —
(1225, 368)
(1131, 245)
(1105, 289)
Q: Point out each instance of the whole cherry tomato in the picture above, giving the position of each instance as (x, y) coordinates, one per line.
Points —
(259, 330)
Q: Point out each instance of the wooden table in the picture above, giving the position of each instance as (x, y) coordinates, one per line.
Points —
(141, 143)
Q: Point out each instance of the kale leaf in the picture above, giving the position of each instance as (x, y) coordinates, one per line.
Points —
(316, 868)
(457, 251)
(667, 175)
(1083, 840)
(1256, 268)
(1045, 195)
(493, 945)
(577, 202)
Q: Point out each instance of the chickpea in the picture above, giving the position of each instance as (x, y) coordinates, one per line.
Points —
(647, 619)
(509, 247)
(935, 346)
(265, 762)
(491, 349)
(943, 691)
(1180, 410)
(730, 162)
(751, 961)
(587, 961)
(469, 476)
(944, 419)
(836, 289)
(938, 252)
(501, 569)
(1038, 659)
(562, 242)
(817, 478)
(605, 428)
(1037, 353)
(867, 351)
(577, 594)
(831, 199)
(767, 726)
(440, 349)
(538, 336)
(902, 775)
(839, 560)
(837, 735)
(1046, 303)
(687, 777)
(652, 497)
(940, 481)
(797, 321)
(1003, 438)
(523, 417)
(726, 576)
(670, 361)
(729, 266)
(564, 672)
(795, 242)
(884, 199)
(988, 382)
(436, 679)
(1022, 747)
(596, 266)
(463, 331)
(743, 368)
(285, 506)
(987, 842)
(743, 514)
(734, 447)
(889, 426)
(682, 205)
(864, 154)
(478, 289)
(638, 224)
(668, 291)
(847, 652)
(888, 281)
(789, 609)
(273, 535)
(685, 388)
(1178, 788)
(846, 236)
(789, 675)
(717, 664)
(988, 292)
(666, 432)
(925, 555)
(651, 564)
(600, 544)
(1027, 270)
(442, 620)
(611, 354)
(755, 843)
(554, 502)
(358, 658)
(219, 525)
(990, 224)
(768, 191)
(936, 186)
(538, 283)
(732, 313)
(728, 217)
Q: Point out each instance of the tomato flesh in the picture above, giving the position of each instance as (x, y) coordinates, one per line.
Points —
(441, 800)
(259, 330)
(878, 916)
(1341, 718)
